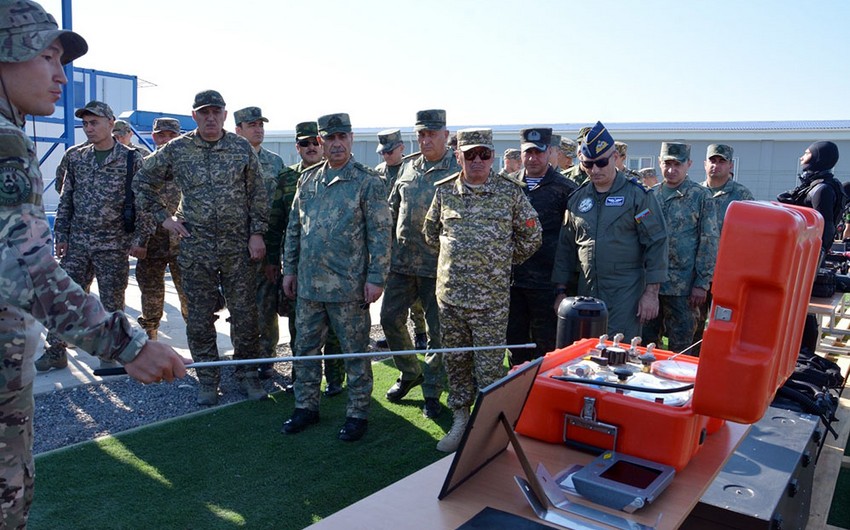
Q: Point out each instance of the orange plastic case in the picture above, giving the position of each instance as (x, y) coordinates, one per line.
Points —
(766, 265)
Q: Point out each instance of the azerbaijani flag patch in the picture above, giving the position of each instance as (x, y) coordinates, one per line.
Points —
(643, 215)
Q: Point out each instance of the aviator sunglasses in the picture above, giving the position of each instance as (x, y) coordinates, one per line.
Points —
(305, 143)
(482, 152)
(588, 164)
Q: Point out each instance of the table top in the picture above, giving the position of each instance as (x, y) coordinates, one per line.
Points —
(412, 502)
(825, 306)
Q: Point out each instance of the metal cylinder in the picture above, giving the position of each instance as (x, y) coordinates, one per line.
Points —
(580, 317)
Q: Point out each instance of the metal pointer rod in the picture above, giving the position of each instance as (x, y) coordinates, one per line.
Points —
(270, 360)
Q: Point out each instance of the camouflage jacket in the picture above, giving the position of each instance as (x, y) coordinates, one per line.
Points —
(480, 234)
(160, 242)
(90, 212)
(223, 198)
(271, 165)
(612, 244)
(339, 233)
(141, 149)
(32, 285)
(691, 218)
(410, 199)
(549, 199)
(62, 168)
(389, 174)
(281, 205)
(576, 174)
(724, 195)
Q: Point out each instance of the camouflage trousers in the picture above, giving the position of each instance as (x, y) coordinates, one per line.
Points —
(150, 275)
(237, 277)
(351, 325)
(400, 294)
(469, 371)
(531, 318)
(702, 321)
(417, 315)
(19, 335)
(334, 368)
(267, 293)
(676, 320)
(110, 267)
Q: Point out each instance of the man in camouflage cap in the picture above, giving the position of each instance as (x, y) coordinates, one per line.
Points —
(566, 154)
(32, 52)
(90, 237)
(124, 134)
(413, 271)
(693, 235)
(648, 177)
(250, 124)
(222, 218)
(512, 161)
(336, 257)
(482, 224)
(613, 242)
(623, 150)
(531, 318)
(307, 145)
(576, 173)
(160, 249)
(554, 142)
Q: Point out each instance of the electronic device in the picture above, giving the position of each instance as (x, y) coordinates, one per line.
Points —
(621, 481)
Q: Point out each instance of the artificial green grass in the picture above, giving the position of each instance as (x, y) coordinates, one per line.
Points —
(839, 512)
(231, 468)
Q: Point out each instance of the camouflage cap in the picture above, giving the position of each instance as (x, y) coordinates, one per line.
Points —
(568, 147)
(647, 172)
(306, 129)
(512, 154)
(721, 150)
(621, 148)
(555, 140)
(388, 140)
(334, 123)
(582, 134)
(434, 119)
(166, 124)
(249, 114)
(121, 127)
(535, 138)
(98, 108)
(470, 138)
(27, 29)
(597, 142)
(675, 151)
(208, 98)
(452, 140)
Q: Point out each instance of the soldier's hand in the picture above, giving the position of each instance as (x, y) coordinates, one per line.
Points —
(698, 297)
(372, 292)
(290, 285)
(157, 361)
(61, 249)
(139, 252)
(647, 306)
(256, 247)
(271, 272)
(558, 299)
(175, 226)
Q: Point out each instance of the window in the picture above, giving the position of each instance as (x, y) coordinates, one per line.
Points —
(639, 162)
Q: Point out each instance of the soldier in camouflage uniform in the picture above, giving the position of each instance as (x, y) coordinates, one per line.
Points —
(160, 248)
(221, 221)
(623, 152)
(414, 262)
(553, 153)
(576, 173)
(613, 242)
(692, 233)
(648, 177)
(34, 287)
(718, 180)
(567, 152)
(482, 224)
(123, 134)
(512, 161)
(531, 318)
(90, 236)
(391, 149)
(250, 125)
(336, 256)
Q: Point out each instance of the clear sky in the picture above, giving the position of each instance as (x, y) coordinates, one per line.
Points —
(485, 62)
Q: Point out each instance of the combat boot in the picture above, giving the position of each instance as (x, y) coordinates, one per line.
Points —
(208, 395)
(451, 440)
(55, 357)
(250, 385)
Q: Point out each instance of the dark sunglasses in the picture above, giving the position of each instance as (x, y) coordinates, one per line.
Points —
(305, 143)
(482, 152)
(588, 164)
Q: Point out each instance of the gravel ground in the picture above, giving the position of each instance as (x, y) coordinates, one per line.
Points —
(73, 415)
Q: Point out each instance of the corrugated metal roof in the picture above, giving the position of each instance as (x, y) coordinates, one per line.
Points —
(784, 125)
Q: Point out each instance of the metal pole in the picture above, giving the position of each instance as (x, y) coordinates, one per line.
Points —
(358, 355)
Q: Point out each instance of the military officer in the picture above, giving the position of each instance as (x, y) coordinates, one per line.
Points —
(32, 52)
(123, 134)
(482, 224)
(511, 160)
(566, 154)
(340, 205)
(222, 218)
(648, 177)
(623, 151)
(613, 243)
(576, 173)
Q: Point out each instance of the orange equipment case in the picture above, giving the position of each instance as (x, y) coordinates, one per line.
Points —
(766, 264)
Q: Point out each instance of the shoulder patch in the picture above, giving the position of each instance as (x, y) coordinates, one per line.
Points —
(448, 179)
(15, 184)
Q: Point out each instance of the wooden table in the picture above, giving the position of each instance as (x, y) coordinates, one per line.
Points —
(412, 502)
(830, 312)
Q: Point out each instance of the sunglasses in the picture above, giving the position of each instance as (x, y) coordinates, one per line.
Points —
(588, 164)
(306, 143)
(482, 152)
